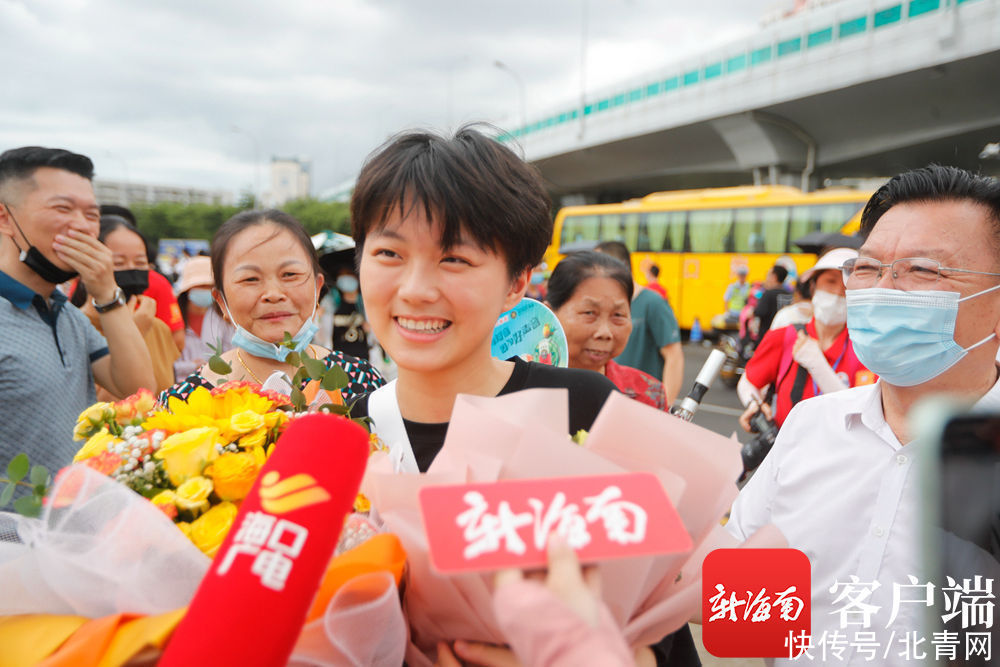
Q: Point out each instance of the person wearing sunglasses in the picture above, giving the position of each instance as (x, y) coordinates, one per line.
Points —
(842, 481)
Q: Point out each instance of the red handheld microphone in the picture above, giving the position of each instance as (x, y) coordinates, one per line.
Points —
(250, 606)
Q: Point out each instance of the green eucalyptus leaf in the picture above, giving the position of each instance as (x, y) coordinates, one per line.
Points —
(298, 399)
(28, 506)
(218, 365)
(335, 409)
(7, 494)
(299, 377)
(314, 367)
(363, 422)
(335, 378)
(40, 490)
(39, 475)
(18, 467)
(287, 341)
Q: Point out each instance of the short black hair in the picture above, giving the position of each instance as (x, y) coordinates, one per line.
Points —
(616, 249)
(120, 211)
(577, 267)
(469, 182)
(20, 164)
(934, 183)
(779, 272)
(805, 287)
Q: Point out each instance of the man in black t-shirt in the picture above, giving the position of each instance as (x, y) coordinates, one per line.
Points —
(775, 297)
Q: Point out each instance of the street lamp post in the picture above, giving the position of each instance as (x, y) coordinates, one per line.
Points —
(520, 87)
(256, 164)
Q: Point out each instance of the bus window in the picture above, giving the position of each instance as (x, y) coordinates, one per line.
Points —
(678, 231)
(834, 216)
(611, 227)
(664, 231)
(579, 228)
(657, 226)
(774, 221)
(630, 225)
(748, 233)
(803, 222)
(711, 230)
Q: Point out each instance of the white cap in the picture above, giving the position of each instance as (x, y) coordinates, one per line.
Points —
(834, 259)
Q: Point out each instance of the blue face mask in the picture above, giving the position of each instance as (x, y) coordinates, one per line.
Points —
(200, 297)
(346, 283)
(906, 338)
(259, 347)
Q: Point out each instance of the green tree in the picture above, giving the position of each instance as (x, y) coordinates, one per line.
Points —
(170, 220)
(317, 216)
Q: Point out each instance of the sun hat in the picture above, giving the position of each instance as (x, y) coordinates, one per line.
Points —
(833, 259)
(197, 273)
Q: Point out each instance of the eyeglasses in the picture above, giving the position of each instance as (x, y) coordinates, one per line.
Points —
(908, 274)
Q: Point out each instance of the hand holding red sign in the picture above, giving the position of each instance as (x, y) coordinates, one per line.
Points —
(474, 527)
(251, 605)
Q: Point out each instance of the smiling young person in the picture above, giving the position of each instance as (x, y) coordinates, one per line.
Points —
(267, 284)
(447, 231)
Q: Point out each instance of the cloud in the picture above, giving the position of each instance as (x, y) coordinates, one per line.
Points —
(153, 90)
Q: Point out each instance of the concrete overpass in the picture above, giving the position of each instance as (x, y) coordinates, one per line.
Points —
(851, 89)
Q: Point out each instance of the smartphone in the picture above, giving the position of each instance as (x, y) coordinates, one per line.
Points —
(961, 490)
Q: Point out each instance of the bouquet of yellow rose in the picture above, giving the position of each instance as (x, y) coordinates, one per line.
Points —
(107, 541)
(194, 460)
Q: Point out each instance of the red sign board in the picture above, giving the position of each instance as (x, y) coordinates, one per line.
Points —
(476, 527)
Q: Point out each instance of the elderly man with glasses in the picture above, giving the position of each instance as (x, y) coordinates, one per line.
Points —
(841, 482)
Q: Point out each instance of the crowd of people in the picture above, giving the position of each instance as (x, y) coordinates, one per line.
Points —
(448, 233)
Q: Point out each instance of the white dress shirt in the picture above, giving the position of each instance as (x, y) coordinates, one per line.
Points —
(844, 490)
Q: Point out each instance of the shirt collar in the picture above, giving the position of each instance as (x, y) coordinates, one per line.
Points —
(869, 410)
(22, 296)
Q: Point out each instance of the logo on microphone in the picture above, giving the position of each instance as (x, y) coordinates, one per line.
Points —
(278, 496)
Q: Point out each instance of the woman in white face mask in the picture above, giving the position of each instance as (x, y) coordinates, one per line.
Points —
(801, 361)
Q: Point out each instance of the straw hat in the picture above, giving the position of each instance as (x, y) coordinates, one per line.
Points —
(197, 273)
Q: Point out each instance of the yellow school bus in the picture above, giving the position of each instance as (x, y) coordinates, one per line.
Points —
(699, 237)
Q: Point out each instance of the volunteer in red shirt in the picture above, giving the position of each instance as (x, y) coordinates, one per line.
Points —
(166, 306)
(804, 361)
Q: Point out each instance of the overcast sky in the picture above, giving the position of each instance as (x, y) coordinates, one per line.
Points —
(195, 92)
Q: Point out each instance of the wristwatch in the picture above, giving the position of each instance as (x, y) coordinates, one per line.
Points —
(117, 300)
